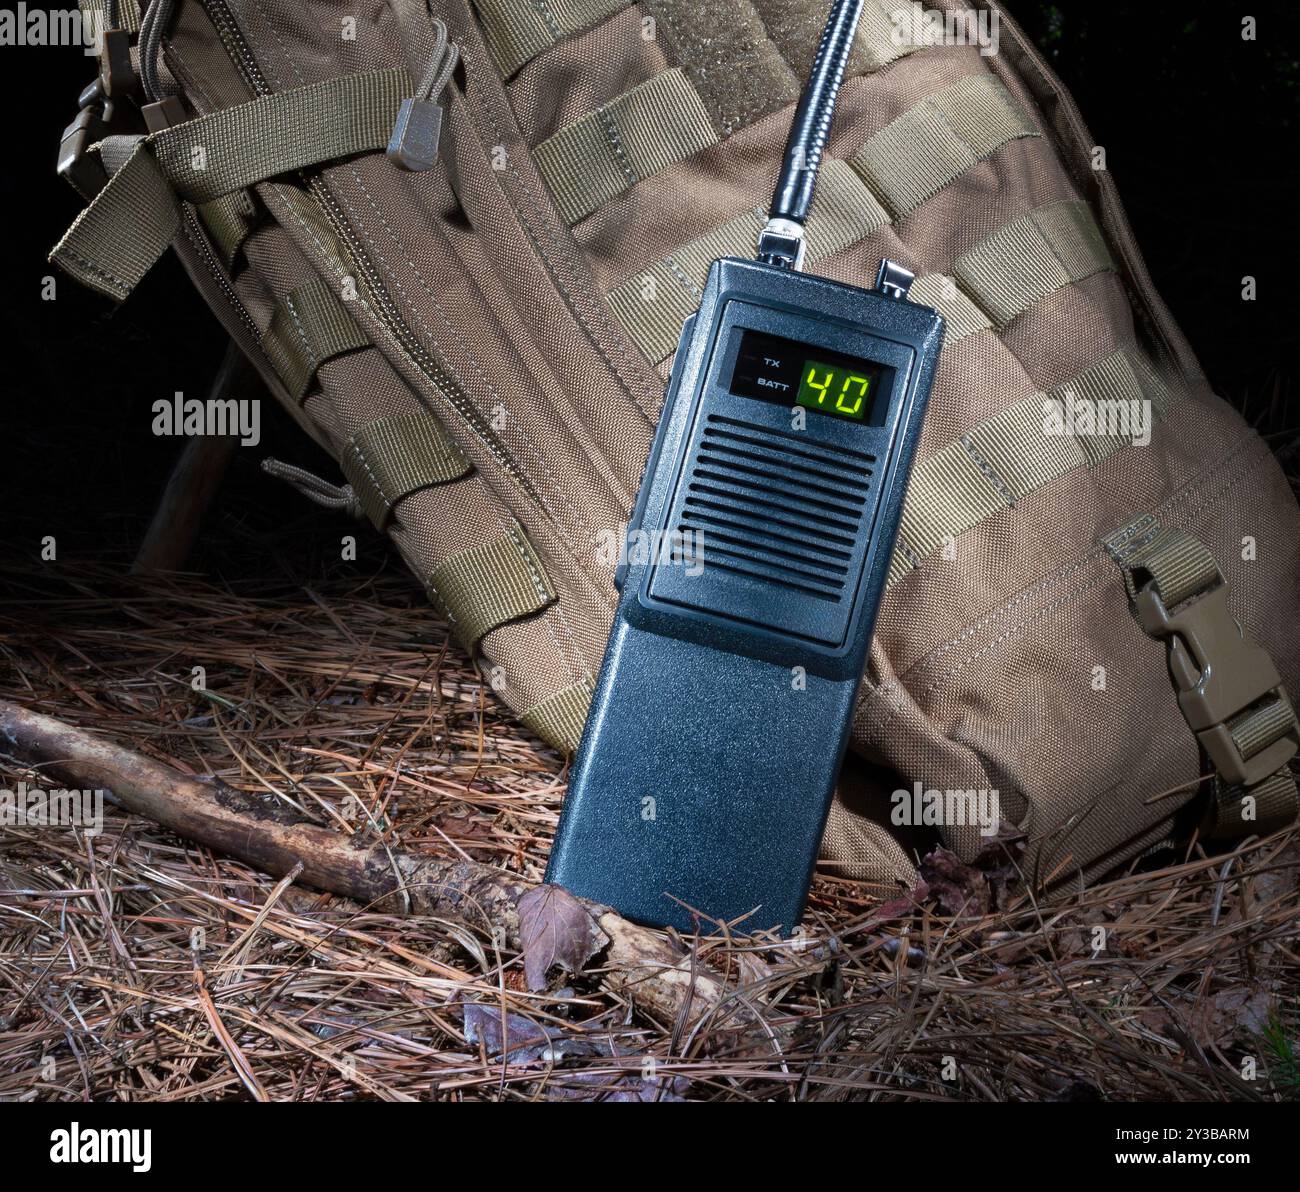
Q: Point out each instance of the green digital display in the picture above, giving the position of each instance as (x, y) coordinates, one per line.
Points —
(835, 389)
(772, 368)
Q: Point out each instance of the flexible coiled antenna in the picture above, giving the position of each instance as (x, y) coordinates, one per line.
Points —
(781, 242)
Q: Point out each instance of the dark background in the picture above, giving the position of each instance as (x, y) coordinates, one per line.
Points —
(1200, 132)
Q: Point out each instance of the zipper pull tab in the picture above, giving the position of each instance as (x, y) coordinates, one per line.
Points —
(418, 130)
(414, 143)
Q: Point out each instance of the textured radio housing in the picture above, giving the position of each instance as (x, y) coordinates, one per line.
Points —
(722, 709)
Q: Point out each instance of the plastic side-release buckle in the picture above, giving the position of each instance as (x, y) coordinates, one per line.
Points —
(86, 176)
(1220, 674)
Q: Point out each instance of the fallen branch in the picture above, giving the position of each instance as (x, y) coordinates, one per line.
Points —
(639, 964)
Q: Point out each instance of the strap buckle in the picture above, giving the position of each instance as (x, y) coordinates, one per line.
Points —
(1225, 682)
(82, 172)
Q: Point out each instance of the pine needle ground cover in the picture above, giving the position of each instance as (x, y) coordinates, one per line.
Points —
(135, 965)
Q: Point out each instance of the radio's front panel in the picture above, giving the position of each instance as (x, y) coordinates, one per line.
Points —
(780, 478)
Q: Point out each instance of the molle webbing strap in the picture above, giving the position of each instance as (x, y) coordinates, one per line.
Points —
(961, 315)
(878, 40)
(907, 162)
(1016, 455)
(1031, 257)
(131, 222)
(1013, 453)
(653, 304)
(290, 130)
(517, 31)
(602, 154)
(310, 324)
(229, 220)
(1228, 690)
(560, 717)
(390, 458)
(933, 144)
(488, 585)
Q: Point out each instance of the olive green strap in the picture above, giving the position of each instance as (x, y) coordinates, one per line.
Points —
(642, 131)
(229, 220)
(880, 39)
(134, 218)
(128, 14)
(1228, 690)
(1178, 564)
(310, 324)
(115, 241)
(390, 458)
(653, 305)
(488, 585)
(961, 316)
(289, 130)
(1029, 258)
(934, 143)
(1236, 810)
(560, 717)
(1012, 453)
(516, 32)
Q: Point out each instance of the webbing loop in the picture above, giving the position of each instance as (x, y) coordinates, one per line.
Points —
(127, 14)
(934, 143)
(229, 220)
(644, 130)
(130, 223)
(390, 458)
(560, 717)
(310, 325)
(485, 586)
(1033, 256)
(1005, 457)
(517, 32)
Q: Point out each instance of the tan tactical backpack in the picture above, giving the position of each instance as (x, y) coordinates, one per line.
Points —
(479, 332)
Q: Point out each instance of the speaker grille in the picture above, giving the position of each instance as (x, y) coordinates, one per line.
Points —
(776, 507)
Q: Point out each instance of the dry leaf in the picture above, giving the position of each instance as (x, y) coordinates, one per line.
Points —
(555, 930)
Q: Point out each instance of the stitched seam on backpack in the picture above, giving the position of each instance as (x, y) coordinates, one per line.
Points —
(682, 276)
(578, 671)
(609, 126)
(986, 469)
(558, 526)
(483, 376)
(1048, 580)
(879, 727)
(100, 272)
(543, 10)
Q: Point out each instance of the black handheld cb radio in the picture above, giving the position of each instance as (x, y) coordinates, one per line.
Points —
(722, 710)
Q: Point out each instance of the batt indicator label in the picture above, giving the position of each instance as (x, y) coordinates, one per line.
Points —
(771, 368)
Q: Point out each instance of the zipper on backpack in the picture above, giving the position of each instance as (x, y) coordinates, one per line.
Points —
(198, 238)
(236, 45)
